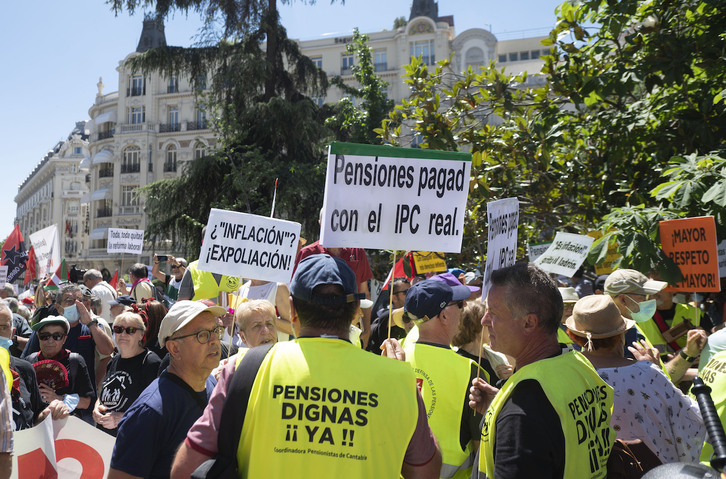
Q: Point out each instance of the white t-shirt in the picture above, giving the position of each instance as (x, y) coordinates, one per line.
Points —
(104, 291)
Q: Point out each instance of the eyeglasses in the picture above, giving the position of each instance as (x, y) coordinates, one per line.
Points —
(47, 336)
(175, 266)
(460, 304)
(402, 291)
(129, 329)
(68, 301)
(204, 336)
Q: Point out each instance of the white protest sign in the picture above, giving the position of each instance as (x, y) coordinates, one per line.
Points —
(503, 220)
(257, 247)
(381, 197)
(64, 448)
(721, 254)
(565, 254)
(47, 249)
(534, 251)
(121, 240)
(3, 275)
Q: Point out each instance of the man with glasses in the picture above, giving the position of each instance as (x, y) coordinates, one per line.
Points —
(85, 336)
(157, 423)
(444, 377)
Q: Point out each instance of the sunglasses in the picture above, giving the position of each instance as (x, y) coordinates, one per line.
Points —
(460, 304)
(47, 336)
(128, 330)
(175, 266)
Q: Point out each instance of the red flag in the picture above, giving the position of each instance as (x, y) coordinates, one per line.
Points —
(114, 281)
(399, 271)
(31, 271)
(14, 255)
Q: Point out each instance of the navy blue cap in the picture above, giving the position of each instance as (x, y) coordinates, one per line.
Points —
(124, 299)
(320, 269)
(426, 299)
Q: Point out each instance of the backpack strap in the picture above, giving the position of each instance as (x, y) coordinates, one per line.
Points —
(235, 405)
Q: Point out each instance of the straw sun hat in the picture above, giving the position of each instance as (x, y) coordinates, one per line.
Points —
(597, 317)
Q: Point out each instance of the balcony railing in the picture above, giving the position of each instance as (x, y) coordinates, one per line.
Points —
(172, 88)
(106, 171)
(381, 67)
(197, 125)
(169, 166)
(103, 212)
(132, 168)
(132, 127)
(167, 127)
(129, 210)
(346, 71)
(136, 91)
(102, 135)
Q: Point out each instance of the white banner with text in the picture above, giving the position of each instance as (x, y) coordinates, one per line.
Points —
(566, 254)
(381, 197)
(502, 221)
(121, 240)
(249, 246)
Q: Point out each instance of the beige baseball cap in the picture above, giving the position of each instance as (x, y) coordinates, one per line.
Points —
(633, 282)
(181, 314)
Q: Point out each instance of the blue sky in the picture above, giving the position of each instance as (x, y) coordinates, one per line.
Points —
(54, 51)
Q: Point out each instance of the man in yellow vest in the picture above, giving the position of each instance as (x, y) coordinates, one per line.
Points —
(320, 406)
(443, 377)
(551, 419)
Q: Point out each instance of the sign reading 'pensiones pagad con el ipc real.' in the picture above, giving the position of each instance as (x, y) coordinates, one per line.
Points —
(382, 197)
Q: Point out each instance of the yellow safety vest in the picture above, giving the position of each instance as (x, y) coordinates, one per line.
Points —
(584, 404)
(562, 337)
(323, 407)
(206, 287)
(5, 367)
(683, 311)
(714, 376)
(444, 377)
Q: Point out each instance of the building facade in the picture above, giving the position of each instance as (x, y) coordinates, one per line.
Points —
(431, 37)
(53, 192)
(143, 133)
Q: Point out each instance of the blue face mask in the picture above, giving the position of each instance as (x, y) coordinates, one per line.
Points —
(6, 343)
(71, 314)
(646, 311)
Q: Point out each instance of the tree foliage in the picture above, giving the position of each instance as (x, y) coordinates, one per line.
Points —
(593, 133)
(357, 123)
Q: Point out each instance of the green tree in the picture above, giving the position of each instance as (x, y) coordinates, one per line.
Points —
(357, 123)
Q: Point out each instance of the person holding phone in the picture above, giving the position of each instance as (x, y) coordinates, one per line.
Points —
(171, 281)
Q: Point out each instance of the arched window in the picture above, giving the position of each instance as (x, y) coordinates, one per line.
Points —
(170, 162)
(474, 57)
(200, 150)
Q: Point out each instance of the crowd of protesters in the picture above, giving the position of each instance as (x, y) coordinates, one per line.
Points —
(537, 378)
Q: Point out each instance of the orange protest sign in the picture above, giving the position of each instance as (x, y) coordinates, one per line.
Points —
(691, 244)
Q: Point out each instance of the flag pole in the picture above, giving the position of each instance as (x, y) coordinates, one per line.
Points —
(390, 294)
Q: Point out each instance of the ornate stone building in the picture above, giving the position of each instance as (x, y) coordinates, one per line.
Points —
(52, 193)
